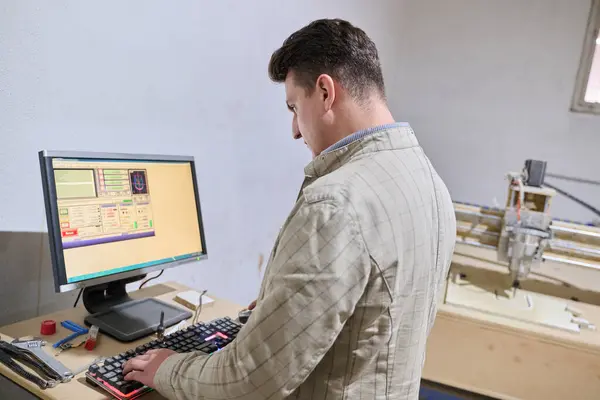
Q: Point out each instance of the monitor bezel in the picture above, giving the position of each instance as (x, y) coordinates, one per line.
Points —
(51, 203)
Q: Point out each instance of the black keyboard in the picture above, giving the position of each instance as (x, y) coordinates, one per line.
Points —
(206, 337)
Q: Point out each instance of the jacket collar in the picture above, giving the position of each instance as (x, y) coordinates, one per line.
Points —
(392, 138)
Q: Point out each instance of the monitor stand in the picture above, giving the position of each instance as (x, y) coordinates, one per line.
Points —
(118, 315)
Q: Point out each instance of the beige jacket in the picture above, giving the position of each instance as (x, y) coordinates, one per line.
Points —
(350, 291)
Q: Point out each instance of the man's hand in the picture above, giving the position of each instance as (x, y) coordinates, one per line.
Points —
(143, 368)
(252, 305)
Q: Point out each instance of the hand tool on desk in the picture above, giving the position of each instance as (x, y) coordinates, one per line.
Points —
(29, 353)
(160, 329)
(78, 330)
(69, 345)
(8, 359)
(34, 348)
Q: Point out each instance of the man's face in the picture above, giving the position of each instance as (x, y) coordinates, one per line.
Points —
(308, 112)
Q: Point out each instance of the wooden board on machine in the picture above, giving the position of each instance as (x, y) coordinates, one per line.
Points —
(498, 299)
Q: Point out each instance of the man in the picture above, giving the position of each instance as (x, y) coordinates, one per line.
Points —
(350, 291)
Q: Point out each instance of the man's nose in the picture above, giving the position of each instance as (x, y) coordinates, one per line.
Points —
(296, 134)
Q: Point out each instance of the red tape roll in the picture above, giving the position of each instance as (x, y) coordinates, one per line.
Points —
(48, 327)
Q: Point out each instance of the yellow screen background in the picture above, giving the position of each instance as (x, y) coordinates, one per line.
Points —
(175, 220)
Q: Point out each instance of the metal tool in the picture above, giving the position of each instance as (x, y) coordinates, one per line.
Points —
(29, 353)
(69, 345)
(78, 330)
(34, 348)
(199, 308)
(160, 329)
(8, 356)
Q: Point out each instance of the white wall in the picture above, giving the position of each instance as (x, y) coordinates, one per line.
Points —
(188, 77)
(487, 84)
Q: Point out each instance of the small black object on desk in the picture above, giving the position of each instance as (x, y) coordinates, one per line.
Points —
(244, 315)
(160, 329)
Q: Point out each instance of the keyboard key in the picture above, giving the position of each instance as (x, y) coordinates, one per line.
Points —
(130, 386)
(203, 347)
(109, 375)
(210, 348)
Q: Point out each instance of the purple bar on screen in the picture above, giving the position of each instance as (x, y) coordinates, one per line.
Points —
(91, 242)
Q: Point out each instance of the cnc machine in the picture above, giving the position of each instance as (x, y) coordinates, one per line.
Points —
(523, 236)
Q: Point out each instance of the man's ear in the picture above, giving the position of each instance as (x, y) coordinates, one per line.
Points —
(326, 90)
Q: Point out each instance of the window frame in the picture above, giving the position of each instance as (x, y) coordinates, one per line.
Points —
(578, 103)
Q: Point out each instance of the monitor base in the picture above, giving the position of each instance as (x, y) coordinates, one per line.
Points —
(125, 319)
(136, 319)
(99, 298)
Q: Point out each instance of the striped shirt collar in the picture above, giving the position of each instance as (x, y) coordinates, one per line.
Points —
(361, 134)
(388, 137)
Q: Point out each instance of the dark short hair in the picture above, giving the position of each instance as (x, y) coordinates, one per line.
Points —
(334, 47)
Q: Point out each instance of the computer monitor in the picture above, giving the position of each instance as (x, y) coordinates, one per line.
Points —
(113, 218)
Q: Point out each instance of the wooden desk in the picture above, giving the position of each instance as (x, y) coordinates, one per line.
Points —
(467, 349)
(509, 359)
(77, 388)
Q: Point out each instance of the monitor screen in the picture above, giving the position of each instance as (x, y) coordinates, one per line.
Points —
(110, 216)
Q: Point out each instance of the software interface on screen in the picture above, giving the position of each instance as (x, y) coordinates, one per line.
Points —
(118, 215)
